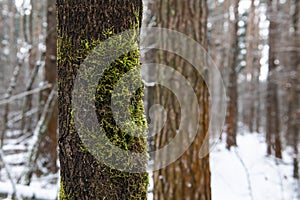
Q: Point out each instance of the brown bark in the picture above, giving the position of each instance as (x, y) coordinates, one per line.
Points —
(48, 146)
(252, 72)
(257, 84)
(293, 129)
(188, 177)
(273, 130)
(250, 67)
(232, 110)
(80, 25)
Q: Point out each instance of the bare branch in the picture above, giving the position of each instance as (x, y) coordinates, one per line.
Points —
(21, 95)
(13, 184)
(33, 150)
(12, 86)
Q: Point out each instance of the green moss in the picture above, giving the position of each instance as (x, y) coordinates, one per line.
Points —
(62, 194)
(132, 137)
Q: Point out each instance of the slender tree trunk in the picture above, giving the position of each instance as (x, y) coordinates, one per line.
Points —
(257, 100)
(273, 130)
(256, 77)
(48, 146)
(250, 66)
(81, 26)
(293, 94)
(252, 71)
(232, 112)
(188, 177)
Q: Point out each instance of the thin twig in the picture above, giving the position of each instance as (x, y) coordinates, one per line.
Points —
(18, 116)
(13, 184)
(27, 100)
(12, 86)
(23, 94)
(37, 137)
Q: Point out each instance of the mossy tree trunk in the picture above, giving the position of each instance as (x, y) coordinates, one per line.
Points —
(81, 24)
(189, 176)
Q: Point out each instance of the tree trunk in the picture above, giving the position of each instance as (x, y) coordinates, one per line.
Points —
(48, 146)
(232, 111)
(273, 131)
(82, 25)
(293, 94)
(252, 69)
(188, 177)
(257, 81)
(249, 67)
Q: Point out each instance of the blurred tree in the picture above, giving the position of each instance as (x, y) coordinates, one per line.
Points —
(293, 129)
(81, 26)
(189, 176)
(48, 146)
(252, 69)
(272, 124)
(232, 110)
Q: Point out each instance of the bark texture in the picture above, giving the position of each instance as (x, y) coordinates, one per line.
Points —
(188, 177)
(81, 26)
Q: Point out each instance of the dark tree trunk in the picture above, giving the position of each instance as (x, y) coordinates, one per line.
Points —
(81, 26)
(232, 111)
(273, 130)
(189, 176)
(293, 94)
(48, 146)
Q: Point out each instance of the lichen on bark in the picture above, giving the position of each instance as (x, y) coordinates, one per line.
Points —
(81, 27)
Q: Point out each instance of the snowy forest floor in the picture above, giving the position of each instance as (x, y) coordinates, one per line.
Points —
(243, 173)
(16, 155)
(246, 173)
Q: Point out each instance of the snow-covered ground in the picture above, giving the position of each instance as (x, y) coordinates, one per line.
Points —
(13, 158)
(246, 173)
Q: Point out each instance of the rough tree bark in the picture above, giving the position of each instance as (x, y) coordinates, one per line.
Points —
(189, 176)
(82, 25)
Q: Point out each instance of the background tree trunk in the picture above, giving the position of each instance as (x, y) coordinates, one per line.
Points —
(81, 26)
(232, 110)
(293, 128)
(48, 146)
(272, 123)
(188, 177)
